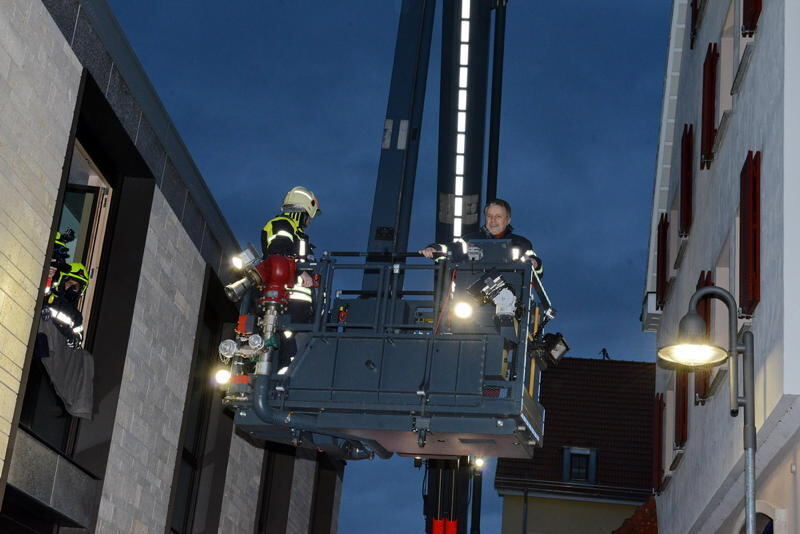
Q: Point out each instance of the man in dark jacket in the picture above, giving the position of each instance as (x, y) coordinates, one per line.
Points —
(498, 226)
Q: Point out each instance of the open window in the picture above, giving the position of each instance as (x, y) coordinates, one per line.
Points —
(84, 210)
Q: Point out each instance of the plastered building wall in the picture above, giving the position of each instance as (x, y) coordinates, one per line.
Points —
(561, 516)
(147, 426)
(706, 486)
(39, 84)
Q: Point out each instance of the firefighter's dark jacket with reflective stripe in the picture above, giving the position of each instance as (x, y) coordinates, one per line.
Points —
(283, 235)
(523, 244)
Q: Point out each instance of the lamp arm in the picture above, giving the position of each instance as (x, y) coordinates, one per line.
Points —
(733, 363)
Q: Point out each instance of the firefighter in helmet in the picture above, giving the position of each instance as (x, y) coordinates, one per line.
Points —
(58, 262)
(285, 234)
(61, 304)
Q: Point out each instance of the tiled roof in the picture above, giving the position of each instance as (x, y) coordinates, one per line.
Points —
(606, 405)
(643, 521)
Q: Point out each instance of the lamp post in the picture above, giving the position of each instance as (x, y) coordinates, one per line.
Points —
(693, 351)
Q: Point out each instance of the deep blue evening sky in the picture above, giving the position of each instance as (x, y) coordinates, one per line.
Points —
(272, 94)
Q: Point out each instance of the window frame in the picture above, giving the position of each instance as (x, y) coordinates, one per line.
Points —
(591, 464)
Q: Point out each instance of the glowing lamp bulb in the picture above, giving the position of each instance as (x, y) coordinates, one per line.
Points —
(237, 262)
(223, 376)
(463, 310)
(479, 462)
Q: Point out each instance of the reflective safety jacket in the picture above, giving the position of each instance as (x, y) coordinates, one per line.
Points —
(283, 235)
(521, 247)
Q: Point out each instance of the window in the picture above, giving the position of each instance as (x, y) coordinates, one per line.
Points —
(85, 212)
(709, 109)
(751, 11)
(579, 465)
(687, 186)
(662, 259)
(750, 234)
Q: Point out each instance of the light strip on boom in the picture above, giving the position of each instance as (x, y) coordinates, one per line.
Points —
(461, 121)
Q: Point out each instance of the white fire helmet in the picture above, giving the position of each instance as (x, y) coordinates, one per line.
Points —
(301, 199)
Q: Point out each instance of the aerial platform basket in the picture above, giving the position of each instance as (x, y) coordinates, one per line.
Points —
(389, 371)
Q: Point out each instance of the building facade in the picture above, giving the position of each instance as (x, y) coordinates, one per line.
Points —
(594, 469)
(86, 144)
(724, 214)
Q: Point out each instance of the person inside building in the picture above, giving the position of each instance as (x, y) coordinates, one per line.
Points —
(285, 234)
(498, 226)
(61, 304)
(58, 261)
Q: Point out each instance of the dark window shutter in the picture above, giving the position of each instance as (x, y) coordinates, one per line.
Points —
(750, 234)
(702, 377)
(751, 10)
(662, 260)
(709, 127)
(658, 442)
(695, 10)
(687, 182)
(681, 407)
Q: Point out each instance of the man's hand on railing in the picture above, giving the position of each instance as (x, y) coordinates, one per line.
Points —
(428, 252)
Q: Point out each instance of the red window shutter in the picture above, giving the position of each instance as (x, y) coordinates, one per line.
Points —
(709, 111)
(662, 259)
(681, 407)
(658, 442)
(751, 10)
(702, 377)
(687, 179)
(750, 234)
(695, 13)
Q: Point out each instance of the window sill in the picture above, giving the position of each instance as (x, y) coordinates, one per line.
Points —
(677, 457)
(719, 378)
(724, 121)
(681, 252)
(741, 71)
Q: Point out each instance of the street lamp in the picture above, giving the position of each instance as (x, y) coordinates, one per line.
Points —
(693, 351)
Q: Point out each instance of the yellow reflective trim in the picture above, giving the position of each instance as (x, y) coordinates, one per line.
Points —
(268, 227)
(300, 296)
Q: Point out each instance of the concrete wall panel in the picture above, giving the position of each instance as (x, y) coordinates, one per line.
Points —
(144, 444)
(242, 480)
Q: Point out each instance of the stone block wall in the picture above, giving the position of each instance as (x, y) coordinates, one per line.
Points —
(39, 84)
(144, 444)
(242, 480)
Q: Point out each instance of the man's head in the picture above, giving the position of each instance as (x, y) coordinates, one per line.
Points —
(498, 216)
